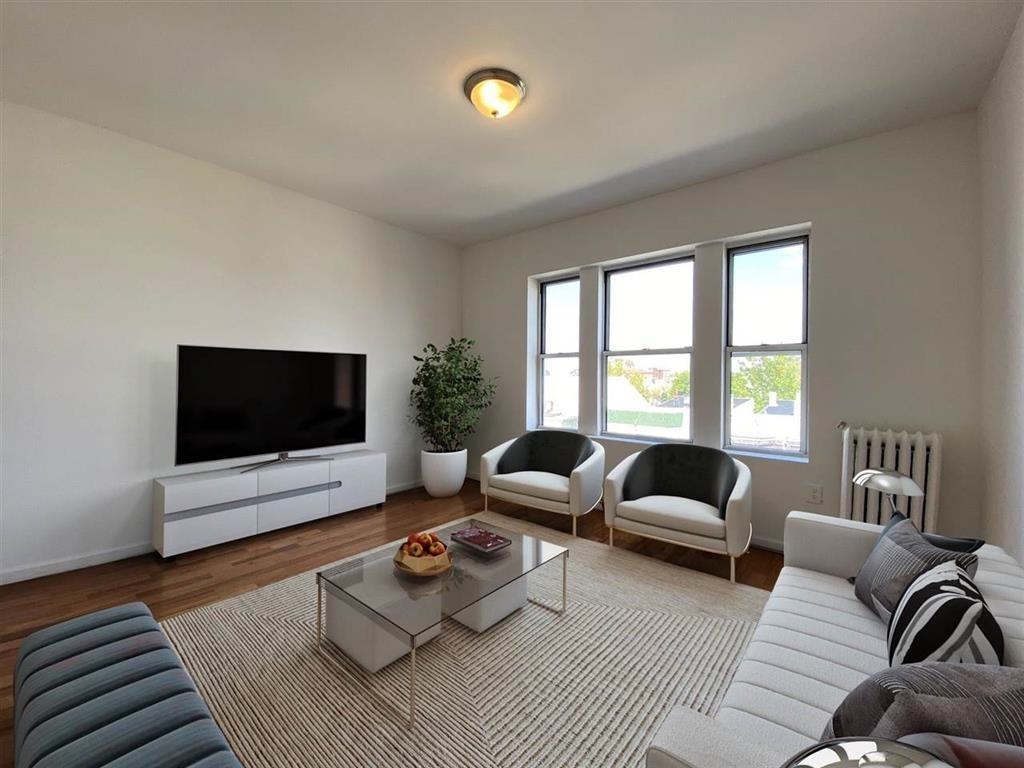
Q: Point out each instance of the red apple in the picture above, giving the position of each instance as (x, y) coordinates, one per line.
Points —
(434, 537)
(416, 549)
(412, 538)
(437, 548)
(425, 540)
(405, 548)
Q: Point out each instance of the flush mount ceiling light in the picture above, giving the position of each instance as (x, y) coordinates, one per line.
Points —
(495, 92)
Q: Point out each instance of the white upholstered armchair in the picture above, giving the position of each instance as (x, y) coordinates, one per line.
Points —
(682, 494)
(546, 469)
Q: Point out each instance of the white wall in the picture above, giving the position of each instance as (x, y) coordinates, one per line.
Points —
(115, 251)
(1001, 133)
(894, 310)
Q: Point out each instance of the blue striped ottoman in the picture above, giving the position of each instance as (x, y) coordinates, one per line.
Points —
(107, 689)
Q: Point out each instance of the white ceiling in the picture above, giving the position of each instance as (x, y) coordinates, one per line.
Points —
(361, 104)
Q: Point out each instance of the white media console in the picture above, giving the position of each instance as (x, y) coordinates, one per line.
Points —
(206, 508)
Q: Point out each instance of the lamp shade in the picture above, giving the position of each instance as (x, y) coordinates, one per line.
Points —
(888, 481)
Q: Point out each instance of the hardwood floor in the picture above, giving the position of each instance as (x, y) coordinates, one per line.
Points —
(198, 578)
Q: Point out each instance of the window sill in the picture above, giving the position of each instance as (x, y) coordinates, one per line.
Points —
(792, 458)
(639, 439)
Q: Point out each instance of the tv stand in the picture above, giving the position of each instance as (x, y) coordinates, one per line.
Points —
(205, 508)
(282, 458)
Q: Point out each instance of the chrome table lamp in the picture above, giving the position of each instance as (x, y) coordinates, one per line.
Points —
(888, 481)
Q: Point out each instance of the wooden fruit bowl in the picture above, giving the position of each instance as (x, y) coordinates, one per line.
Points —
(422, 567)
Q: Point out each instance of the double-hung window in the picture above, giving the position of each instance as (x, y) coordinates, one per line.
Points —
(648, 339)
(559, 364)
(766, 348)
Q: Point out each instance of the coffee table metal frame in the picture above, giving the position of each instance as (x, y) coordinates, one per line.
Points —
(325, 646)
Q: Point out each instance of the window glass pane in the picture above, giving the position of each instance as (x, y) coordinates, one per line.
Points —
(651, 307)
(560, 392)
(767, 302)
(648, 395)
(562, 316)
(766, 401)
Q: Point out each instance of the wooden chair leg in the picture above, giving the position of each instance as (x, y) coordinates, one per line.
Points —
(732, 569)
(573, 525)
(611, 536)
(485, 502)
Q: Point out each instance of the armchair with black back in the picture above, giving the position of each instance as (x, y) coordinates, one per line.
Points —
(549, 469)
(683, 494)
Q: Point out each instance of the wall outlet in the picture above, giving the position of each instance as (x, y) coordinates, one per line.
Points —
(815, 493)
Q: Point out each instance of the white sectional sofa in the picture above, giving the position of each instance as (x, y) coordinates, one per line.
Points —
(814, 644)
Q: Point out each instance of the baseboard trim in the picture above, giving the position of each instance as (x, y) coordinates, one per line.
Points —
(64, 564)
(762, 542)
(408, 486)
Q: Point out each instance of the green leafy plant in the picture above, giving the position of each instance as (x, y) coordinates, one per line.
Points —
(758, 377)
(678, 385)
(449, 392)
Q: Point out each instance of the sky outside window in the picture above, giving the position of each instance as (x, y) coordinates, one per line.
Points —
(651, 307)
(562, 317)
(768, 296)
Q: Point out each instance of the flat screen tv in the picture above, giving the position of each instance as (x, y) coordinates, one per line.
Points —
(246, 402)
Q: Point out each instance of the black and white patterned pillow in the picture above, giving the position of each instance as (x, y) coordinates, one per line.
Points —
(943, 617)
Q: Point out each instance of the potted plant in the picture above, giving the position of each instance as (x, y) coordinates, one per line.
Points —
(449, 392)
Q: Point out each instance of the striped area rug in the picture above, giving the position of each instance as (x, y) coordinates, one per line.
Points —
(588, 688)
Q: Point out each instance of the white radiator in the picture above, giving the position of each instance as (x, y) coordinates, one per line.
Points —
(912, 453)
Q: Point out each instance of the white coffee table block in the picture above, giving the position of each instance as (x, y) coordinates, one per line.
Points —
(485, 613)
(365, 641)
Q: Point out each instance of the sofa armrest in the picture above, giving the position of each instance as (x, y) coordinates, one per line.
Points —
(828, 544)
(688, 739)
(613, 485)
(585, 483)
(489, 463)
(737, 513)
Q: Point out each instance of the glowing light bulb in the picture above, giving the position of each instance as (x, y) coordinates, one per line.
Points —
(495, 92)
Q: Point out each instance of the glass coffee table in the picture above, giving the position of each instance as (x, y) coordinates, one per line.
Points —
(374, 615)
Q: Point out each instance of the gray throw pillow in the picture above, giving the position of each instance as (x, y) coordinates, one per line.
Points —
(975, 701)
(900, 556)
(954, 543)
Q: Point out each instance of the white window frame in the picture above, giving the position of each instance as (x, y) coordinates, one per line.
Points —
(606, 352)
(542, 343)
(729, 351)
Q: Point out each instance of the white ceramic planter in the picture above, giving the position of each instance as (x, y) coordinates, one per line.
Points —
(443, 473)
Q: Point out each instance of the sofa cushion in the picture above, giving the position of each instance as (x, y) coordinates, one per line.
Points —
(42, 652)
(900, 556)
(37, 704)
(943, 617)
(1001, 581)
(815, 642)
(976, 701)
(544, 485)
(676, 514)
